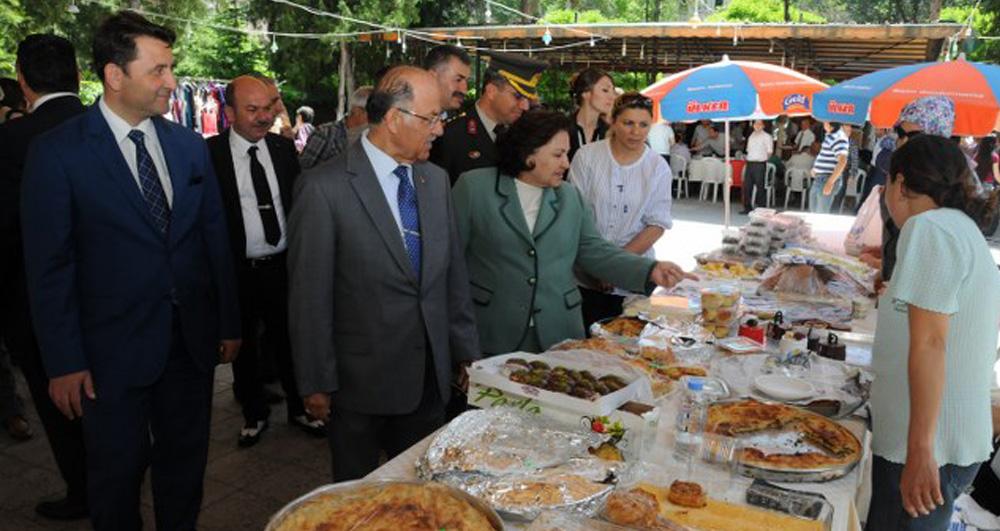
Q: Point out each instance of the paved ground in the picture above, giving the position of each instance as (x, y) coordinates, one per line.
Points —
(243, 487)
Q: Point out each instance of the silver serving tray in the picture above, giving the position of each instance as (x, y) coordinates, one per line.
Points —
(348, 486)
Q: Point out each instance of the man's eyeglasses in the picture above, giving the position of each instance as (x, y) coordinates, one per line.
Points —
(432, 121)
(903, 133)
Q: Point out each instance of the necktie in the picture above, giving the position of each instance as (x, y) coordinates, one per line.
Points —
(265, 203)
(149, 182)
(409, 216)
(498, 130)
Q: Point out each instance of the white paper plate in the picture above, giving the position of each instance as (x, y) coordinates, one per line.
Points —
(784, 387)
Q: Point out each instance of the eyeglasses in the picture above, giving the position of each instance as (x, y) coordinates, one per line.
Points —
(432, 121)
(633, 101)
(903, 133)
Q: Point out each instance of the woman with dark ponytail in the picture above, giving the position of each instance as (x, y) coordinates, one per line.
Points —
(593, 94)
(936, 340)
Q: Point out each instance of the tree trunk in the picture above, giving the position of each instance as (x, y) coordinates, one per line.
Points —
(529, 7)
(656, 10)
(788, 12)
(935, 10)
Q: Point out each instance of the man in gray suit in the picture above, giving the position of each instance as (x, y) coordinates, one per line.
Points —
(380, 312)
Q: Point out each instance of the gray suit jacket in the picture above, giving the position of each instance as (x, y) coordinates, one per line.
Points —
(359, 320)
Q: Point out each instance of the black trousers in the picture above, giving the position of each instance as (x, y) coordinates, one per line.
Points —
(599, 305)
(754, 179)
(65, 436)
(357, 439)
(264, 300)
(164, 426)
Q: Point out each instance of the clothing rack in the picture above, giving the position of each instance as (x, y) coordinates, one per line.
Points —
(197, 103)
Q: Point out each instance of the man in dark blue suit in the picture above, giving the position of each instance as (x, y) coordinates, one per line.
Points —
(131, 281)
(47, 72)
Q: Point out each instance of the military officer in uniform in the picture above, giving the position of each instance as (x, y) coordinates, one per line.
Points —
(469, 141)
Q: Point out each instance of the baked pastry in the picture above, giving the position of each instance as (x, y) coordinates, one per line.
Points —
(607, 451)
(599, 344)
(839, 445)
(678, 371)
(389, 507)
(663, 356)
(635, 508)
(625, 326)
(687, 494)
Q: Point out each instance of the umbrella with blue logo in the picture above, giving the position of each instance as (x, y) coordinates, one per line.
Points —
(733, 91)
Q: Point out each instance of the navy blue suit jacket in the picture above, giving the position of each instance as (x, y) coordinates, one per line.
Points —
(102, 279)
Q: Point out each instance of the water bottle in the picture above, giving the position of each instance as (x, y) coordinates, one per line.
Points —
(690, 421)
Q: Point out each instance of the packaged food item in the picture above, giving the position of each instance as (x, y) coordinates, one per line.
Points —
(720, 310)
(793, 343)
(753, 329)
(811, 505)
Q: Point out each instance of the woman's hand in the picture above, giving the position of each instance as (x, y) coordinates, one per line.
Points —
(920, 485)
(668, 274)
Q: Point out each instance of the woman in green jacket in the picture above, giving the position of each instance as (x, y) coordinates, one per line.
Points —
(524, 229)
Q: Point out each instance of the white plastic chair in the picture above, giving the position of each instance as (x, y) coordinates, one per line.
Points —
(678, 167)
(769, 176)
(796, 181)
(855, 187)
(714, 173)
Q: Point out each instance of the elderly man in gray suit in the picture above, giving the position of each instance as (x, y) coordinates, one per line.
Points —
(380, 313)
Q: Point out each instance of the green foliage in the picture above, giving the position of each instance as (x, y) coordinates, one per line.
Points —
(569, 16)
(763, 11)
(208, 52)
(985, 21)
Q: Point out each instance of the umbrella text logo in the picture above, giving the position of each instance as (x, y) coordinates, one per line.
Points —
(795, 100)
(836, 107)
(694, 107)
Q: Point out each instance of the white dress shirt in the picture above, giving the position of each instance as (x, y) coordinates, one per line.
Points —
(804, 139)
(49, 97)
(384, 165)
(760, 145)
(488, 123)
(661, 137)
(257, 246)
(120, 129)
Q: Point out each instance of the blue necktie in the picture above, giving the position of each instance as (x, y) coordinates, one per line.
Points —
(149, 182)
(409, 215)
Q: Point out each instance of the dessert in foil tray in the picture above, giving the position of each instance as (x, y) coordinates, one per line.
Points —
(522, 465)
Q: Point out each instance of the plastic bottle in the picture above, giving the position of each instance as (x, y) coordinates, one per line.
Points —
(691, 415)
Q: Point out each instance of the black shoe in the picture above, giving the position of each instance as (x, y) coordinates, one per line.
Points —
(314, 427)
(63, 509)
(251, 432)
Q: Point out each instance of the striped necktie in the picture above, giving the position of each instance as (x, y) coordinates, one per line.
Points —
(149, 182)
(409, 216)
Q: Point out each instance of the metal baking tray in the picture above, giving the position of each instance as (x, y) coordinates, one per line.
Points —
(349, 486)
(789, 441)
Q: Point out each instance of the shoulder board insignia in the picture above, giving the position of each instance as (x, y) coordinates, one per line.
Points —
(471, 127)
(474, 154)
(454, 117)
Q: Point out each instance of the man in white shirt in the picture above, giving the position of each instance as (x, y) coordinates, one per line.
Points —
(760, 146)
(661, 138)
(714, 145)
(701, 132)
(805, 138)
(256, 170)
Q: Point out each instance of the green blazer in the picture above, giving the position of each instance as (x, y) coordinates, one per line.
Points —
(516, 275)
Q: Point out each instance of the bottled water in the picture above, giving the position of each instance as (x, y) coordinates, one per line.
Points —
(690, 421)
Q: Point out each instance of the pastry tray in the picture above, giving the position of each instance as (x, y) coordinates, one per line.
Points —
(350, 486)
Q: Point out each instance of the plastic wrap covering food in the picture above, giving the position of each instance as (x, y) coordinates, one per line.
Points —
(558, 521)
(818, 274)
(501, 442)
(521, 465)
